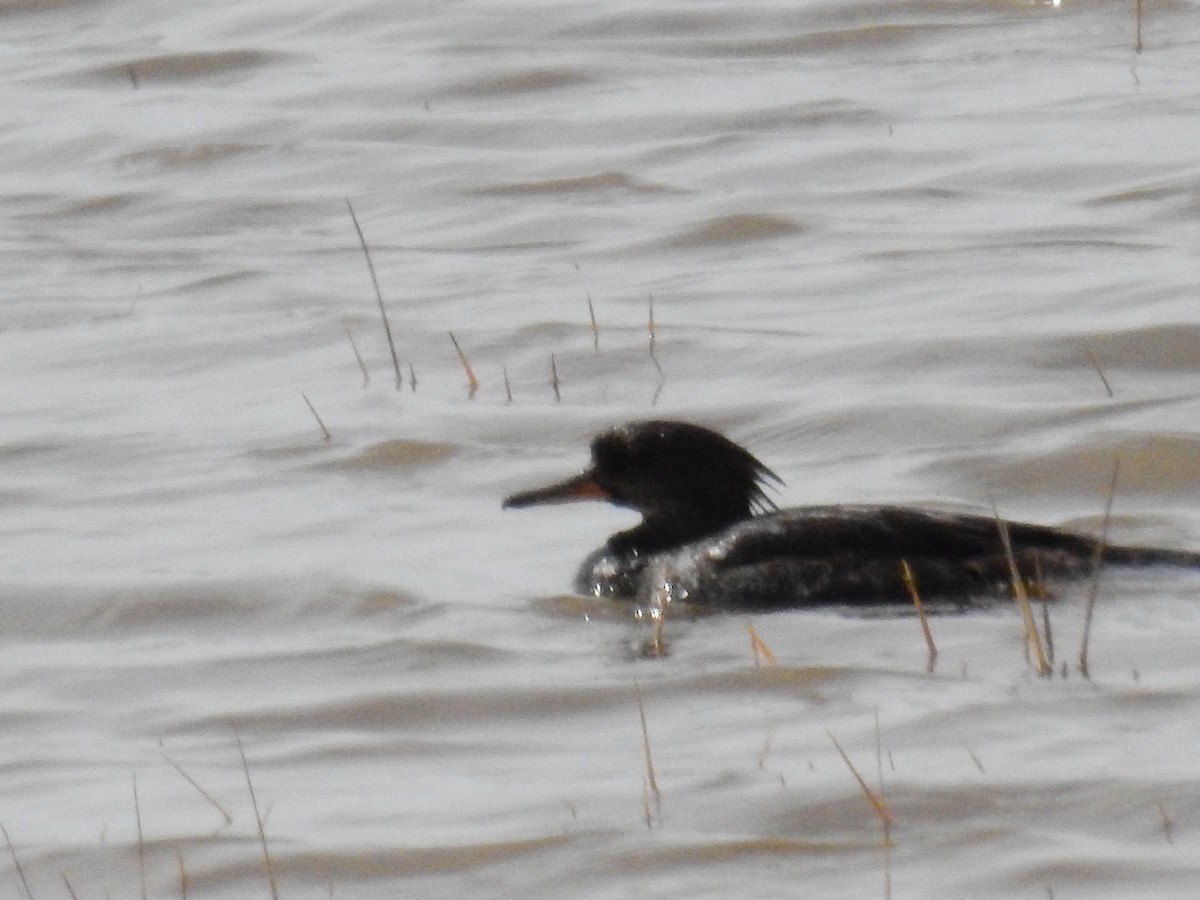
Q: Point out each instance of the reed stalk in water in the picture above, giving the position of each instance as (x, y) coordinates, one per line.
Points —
(650, 780)
(910, 582)
(1097, 566)
(262, 832)
(1032, 638)
(12, 851)
(1099, 371)
(192, 781)
(141, 848)
(312, 409)
(362, 366)
(758, 647)
(472, 381)
(387, 328)
(595, 327)
(183, 875)
(882, 811)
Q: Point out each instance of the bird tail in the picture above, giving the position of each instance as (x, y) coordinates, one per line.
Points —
(1151, 556)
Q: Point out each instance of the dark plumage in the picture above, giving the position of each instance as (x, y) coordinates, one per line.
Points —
(710, 535)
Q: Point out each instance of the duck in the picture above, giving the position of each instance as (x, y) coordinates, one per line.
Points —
(712, 536)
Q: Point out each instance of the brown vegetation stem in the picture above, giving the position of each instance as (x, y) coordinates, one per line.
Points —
(910, 582)
(137, 813)
(877, 802)
(1033, 639)
(650, 779)
(1096, 363)
(262, 833)
(387, 328)
(653, 357)
(595, 327)
(16, 863)
(472, 381)
(759, 647)
(1097, 566)
(183, 876)
(317, 416)
(362, 366)
(203, 793)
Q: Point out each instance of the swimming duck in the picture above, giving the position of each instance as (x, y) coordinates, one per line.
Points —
(711, 535)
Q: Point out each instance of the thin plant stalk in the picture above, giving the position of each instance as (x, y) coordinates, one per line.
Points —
(203, 793)
(137, 812)
(1097, 566)
(595, 327)
(317, 416)
(910, 582)
(472, 381)
(650, 329)
(651, 781)
(1096, 363)
(882, 811)
(1032, 638)
(759, 647)
(262, 833)
(362, 366)
(387, 328)
(16, 863)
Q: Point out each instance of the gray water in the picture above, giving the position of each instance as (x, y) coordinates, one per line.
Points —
(895, 248)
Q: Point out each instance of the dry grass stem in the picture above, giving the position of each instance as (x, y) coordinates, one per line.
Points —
(472, 381)
(1048, 633)
(70, 889)
(137, 813)
(1092, 356)
(758, 647)
(910, 582)
(387, 328)
(362, 366)
(1168, 826)
(978, 764)
(17, 863)
(653, 356)
(312, 409)
(412, 378)
(1032, 638)
(884, 824)
(262, 833)
(507, 386)
(554, 378)
(1097, 566)
(595, 327)
(650, 780)
(183, 876)
(1137, 41)
(882, 811)
(203, 793)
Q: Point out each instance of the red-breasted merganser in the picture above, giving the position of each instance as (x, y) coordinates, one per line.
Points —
(711, 535)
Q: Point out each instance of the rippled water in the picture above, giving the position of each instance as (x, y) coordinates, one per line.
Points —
(895, 248)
